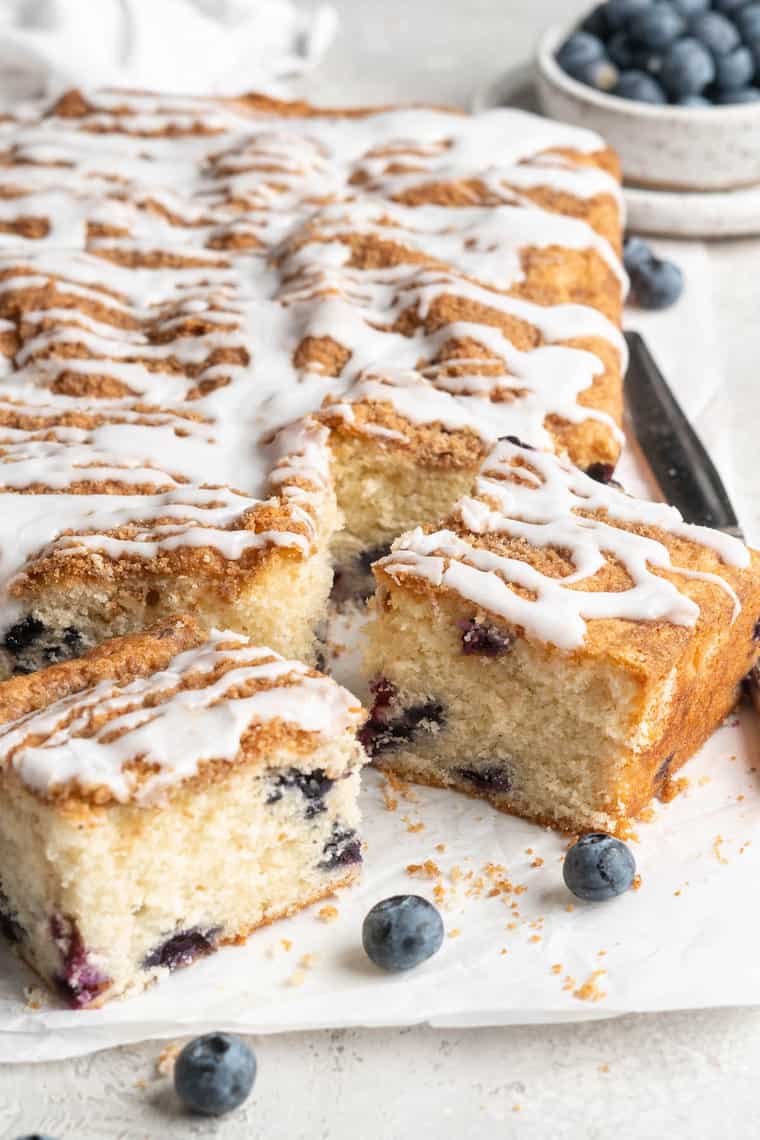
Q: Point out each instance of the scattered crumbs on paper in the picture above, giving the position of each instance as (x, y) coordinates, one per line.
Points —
(557, 968)
(297, 978)
(286, 944)
(537, 862)
(535, 938)
(718, 842)
(412, 827)
(604, 1067)
(440, 848)
(601, 953)
(402, 787)
(590, 990)
(389, 799)
(426, 870)
(327, 913)
(733, 757)
(740, 798)
(747, 843)
(569, 982)
(36, 998)
(636, 884)
(455, 932)
(307, 961)
(511, 926)
(703, 781)
(672, 788)
(681, 888)
(569, 907)
(528, 850)
(167, 1058)
(504, 951)
(647, 814)
(517, 1108)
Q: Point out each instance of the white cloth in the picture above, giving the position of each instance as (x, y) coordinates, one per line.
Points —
(180, 46)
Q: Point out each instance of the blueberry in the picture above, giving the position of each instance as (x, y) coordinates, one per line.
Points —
(23, 634)
(638, 85)
(183, 948)
(658, 26)
(618, 13)
(687, 68)
(35, 1136)
(656, 283)
(342, 849)
(601, 472)
(491, 778)
(214, 1073)
(401, 932)
(485, 640)
(621, 51)
(716, 32)
(694, 101)
(598, 867)
(384, 730)
(735, 70)
(748, 22)
(579, 51)
(746, 95)
(596, 22)
(635, 252)
(600, 73)
(728, 7)
(313, 786)
(689, 8)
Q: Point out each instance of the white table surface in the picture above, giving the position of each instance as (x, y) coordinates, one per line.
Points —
(690, 1075)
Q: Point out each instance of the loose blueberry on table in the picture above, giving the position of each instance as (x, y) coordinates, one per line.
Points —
(655, 282)
(214, 1074)
(691, 53)
(401, 932)
(598, 867)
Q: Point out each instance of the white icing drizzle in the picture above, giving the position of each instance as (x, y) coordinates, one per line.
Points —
(542, 508)
(214, 420)
(174, 729)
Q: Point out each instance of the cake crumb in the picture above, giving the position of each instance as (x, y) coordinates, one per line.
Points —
(440, 848)
(716, 849)
(569, 982)
(167, 1058)
(636, 884)
(307, 961)
(504, 951)
(590, 990)
(604, 1067)
(557, 968)
(672, 788)
(517, 1108)
(537, 862)
(35, 997)
(297, 978)
(569, 907)
(426, 870)
(328, 913)
(455, 932)
(601, 953)
(747, 843)
(535, 938)
(703, 780)
(412, 827)
(286, 944)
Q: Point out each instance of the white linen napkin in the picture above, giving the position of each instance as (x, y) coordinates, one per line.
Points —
(180, 46)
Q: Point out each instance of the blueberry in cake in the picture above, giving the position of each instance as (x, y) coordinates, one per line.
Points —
(555, 645)
(218, 314)
(165, 794)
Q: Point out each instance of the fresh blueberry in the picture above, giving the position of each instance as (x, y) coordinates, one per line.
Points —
(694, 101)
(598, 867)
(600, 73)
(748, 22)
(735, 70)
(689, 8)
(214, 1073)
(638, 85)
(716, 32)
(618, 13)
(687, 68)
(401, 932)
(657, 26)
(578, 51)
(635, 252)
(728, 7)
(746, 95)
(35, 1136)
(596, 22)
(656, 283)
(621, 51)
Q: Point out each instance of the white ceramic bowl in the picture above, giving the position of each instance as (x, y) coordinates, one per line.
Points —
(675, 148)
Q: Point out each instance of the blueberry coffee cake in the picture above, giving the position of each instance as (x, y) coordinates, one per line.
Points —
(220, 316)
(164, 794)
(556, 646)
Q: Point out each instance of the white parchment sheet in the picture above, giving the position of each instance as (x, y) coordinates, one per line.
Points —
(519, 948)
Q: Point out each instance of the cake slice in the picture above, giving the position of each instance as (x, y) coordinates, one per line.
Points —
(557, 647)
(165, 794)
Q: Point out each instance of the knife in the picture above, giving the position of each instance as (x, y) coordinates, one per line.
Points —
(676, 456)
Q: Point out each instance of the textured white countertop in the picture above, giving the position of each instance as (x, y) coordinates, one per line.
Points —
(650, 1077)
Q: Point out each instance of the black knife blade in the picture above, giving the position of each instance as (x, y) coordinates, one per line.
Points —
(676, 455)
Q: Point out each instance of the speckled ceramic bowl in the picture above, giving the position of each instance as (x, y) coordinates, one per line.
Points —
(674, 148)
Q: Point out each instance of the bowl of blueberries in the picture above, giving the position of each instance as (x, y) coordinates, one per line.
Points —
(672, 85)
